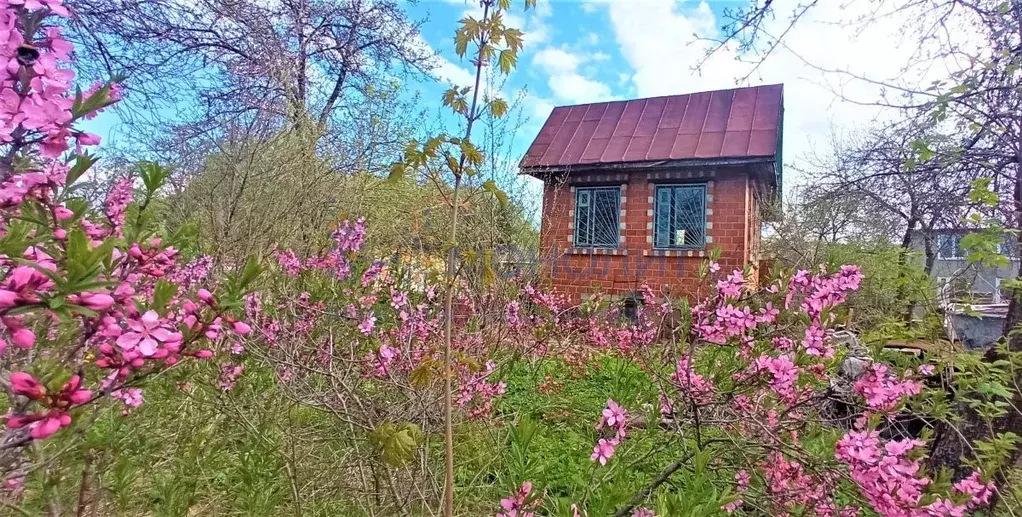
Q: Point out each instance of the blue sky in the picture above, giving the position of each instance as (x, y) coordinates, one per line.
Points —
(579, 51)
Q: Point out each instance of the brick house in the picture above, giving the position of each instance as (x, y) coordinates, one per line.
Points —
(641, 190)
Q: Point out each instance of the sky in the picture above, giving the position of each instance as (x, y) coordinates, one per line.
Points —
(579, 51)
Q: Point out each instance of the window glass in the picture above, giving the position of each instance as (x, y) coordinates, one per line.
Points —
(680, 217)
(597, 211)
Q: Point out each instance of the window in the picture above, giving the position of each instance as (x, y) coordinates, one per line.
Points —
(680, 217)
(949, 246)
(596, 217)
(1008, 246)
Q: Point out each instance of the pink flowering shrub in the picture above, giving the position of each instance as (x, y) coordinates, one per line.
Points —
(747, 387)
(742, 378)
(92, 303)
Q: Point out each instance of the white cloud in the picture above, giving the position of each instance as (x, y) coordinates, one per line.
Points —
(447, 71)
(663, 40)
(452, 73)
(561, 69)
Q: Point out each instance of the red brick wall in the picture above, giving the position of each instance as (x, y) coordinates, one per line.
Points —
(732, 225)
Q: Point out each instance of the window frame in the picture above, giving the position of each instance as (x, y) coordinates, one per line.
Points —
(1008, 246)
(617, 216)
(955, 248)
(656, 215)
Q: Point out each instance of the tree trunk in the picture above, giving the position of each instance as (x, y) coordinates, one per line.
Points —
(906, 247)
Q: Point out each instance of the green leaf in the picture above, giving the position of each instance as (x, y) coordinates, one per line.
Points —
(397, 172)
(83, 162)
(994, 388)
(153, 176)
(421, 375)
(471, 153)
(461, 40)
(162, 294)
(450, 96)
(981, 193)
(513, 39)
(250, 273)
(397, 443)
(432, 145)
(498, 107)
(460, 105)
(15, 241)
(491, 186)
(453, 165)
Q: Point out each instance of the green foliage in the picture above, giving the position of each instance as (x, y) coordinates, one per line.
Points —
(397, 442)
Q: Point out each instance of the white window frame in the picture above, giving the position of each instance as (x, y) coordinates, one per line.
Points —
(576, 239)
(955, 249)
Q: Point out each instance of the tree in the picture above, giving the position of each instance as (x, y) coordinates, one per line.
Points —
(979, 100)
(492, 44)
(910, 191)
(212, 61)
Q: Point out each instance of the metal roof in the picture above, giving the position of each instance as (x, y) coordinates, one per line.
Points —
(737, 123)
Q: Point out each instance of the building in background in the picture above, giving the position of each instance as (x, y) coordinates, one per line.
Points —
(959, 281)
(640, 191)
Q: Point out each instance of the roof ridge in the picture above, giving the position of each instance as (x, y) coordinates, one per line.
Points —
(670, 95)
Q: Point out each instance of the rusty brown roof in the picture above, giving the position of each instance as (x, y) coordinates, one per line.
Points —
(738, 123)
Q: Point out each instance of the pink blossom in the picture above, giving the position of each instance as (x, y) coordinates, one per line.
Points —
(613, 416)
(783, 372)
(731, 287)
(24, 384)
(229, 374)
(511, 314)
(117, 202)
(8, 299)
(690, 382)
(367, 325)
(241, 328)
(815, 343)
(97, 301)
(372, 273)
(22, 337)
(147, 333)
(602, 452)
(742, 479)
(288, 261)
(131, 397)
(882, 390)
(980, 492)
(206, 297)
(398, 299)
(73, 392)
(518, 505)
